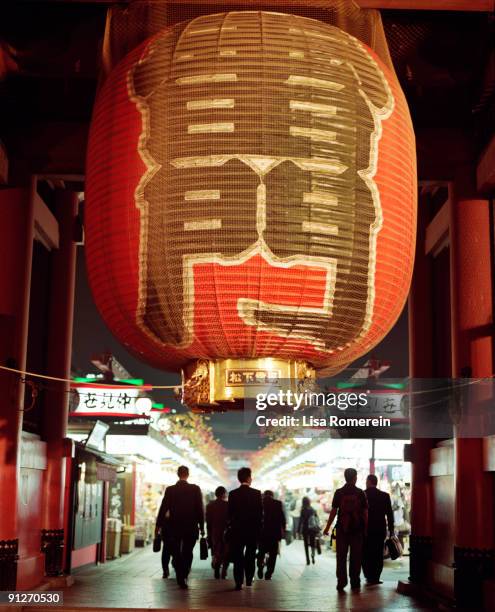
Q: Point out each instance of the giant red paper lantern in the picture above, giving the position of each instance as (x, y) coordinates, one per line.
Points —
(251, 190)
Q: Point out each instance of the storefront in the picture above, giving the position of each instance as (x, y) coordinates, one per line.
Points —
(91, 474)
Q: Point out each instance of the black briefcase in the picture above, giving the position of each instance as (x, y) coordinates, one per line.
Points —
(393, 547)
(157, 543)
(203, 549)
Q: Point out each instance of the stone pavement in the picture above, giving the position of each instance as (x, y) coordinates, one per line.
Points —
(134, 581)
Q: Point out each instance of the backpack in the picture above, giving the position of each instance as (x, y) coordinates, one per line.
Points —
(350, 513)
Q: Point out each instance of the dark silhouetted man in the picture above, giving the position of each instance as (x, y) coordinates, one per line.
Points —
(379, 509)
(217, 518)
(246, 518)
(272, 532)
(352, 507)
(182, 505)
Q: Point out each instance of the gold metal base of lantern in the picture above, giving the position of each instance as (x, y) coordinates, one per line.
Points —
(226, 384)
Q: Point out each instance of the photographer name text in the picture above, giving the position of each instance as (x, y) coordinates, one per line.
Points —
(311, 421)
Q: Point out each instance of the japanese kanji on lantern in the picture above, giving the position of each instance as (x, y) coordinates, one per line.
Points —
(251, 201)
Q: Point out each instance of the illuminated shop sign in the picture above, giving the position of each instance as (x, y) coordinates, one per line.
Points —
(98, 400)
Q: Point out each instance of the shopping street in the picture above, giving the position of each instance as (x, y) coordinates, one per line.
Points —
(135, 581)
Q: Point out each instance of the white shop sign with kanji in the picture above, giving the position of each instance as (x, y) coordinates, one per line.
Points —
(107, 401)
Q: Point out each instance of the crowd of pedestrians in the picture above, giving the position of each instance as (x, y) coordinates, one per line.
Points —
(245, 528)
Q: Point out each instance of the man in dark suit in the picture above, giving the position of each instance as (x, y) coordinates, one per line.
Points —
(181, 512)
(217, 519)
(272, 532)
(379, 509)
(246, 518)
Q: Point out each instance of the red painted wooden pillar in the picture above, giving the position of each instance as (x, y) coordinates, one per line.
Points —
(16, 249)
(472, 336)
(56, 405)
(68, 517)
(420, 367)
